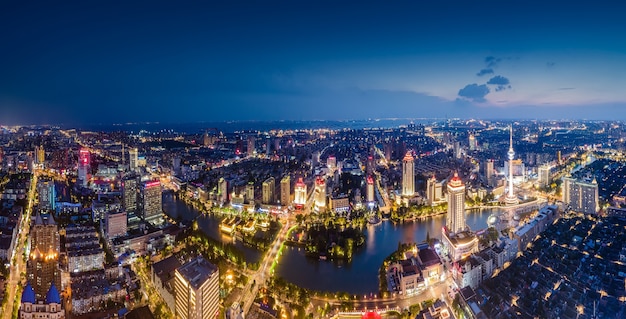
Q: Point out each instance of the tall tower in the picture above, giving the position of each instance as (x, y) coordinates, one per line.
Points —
(251, 145)
(83, 167)
(151, 200)
(455, 220)
(43, 264)
(268, 188)
(285, 191)
(300, 196)
(130, 190)
(320, 193)
(408, 177)
(370, 191)
(430, 190)
(133, 155)
(197, 290)
(510, 198)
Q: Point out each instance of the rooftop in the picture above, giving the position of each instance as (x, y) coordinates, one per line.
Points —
(197, 271)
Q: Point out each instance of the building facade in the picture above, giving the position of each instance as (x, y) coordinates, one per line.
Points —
(197, 290)
(408, 175)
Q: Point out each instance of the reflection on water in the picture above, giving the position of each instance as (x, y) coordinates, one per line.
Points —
(176, 208)
(358, 277)
(361, 275)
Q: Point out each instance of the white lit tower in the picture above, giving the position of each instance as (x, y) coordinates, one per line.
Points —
(133, 159)
(455, 220)
(408, 175)
(510, 198)
(370, 191)
(83, 167)
(300, 194)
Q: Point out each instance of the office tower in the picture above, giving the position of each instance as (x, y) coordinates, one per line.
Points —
(455, 220)
(250, 192)
(47, 195)
(268, 145)
(130, 191)
(430, 190)
(486, 169)
(222, 190)
(43, 264)
(84, 162)
(251, 145)
(40, 156)
(206, 140)
(581, 196)
(115, 224)
(151, 200)
(408, 175)
(315, 159)
(320, 193)
(369, 170)
(473, 144)
(285, 191)
(196, 286)
(133, 159)
(457, 149)
(544, 175)
(370, 190)
(268, 190)
(300, 196)
(510, 198)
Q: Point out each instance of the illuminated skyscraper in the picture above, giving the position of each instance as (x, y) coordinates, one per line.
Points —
(581, 196)
(43, 262)
(285, 191)
(269, 186)
(408, 175)
(130, 193)
(455, 220)
(84, 166)
(151, 200)
(430, 190)
(47, 195)
(196, 286)
(370, 191)
(320, 193)
(331, 163)
(133, 161)
(544, 175)
(251, 145)
(250, 192)
(300, 196)
(510, 198)
(222, 190)
(40, 156)
(473, 144)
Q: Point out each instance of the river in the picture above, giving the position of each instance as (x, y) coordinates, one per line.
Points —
(357, 277)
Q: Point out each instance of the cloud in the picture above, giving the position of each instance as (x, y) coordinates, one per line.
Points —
(485, 72)
(474, 92)
(492, 61)
(550, 64)
(501, 83)
(565, 89)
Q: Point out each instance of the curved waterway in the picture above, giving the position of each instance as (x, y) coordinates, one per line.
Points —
(360, 276)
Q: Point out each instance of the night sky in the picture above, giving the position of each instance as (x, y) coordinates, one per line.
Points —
(114, 62)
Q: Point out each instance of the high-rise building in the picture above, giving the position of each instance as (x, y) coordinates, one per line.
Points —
(408, 175)
(331, 162)
(581, 196)
(251, 145)
(84, 165)
(544, 175)
(488, 172)
(457, 150)
(268, 145)
(268, 190)
(320, 193)
(370, 198)
(196, 286)
(250, 192)
(151, 200)
(473, 144)
(47, 195)
(285, 191)
(40, 156)
(455, 220)
(133, 160)
(115, 224)
(222, 190)
(300, 194)
(43, 264)
(510, 198)
(369, 170)
(130, 191)
(430, 190)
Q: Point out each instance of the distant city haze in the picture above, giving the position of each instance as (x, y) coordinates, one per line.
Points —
(81, 63)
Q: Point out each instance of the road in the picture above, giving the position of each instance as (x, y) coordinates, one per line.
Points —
(258, 278)
(18, 264)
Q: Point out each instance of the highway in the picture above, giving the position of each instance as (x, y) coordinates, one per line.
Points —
(18, 264)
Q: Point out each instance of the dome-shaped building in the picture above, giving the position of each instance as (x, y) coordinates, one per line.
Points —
(30, 308)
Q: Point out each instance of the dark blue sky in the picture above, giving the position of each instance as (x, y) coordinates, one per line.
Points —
(114, 62)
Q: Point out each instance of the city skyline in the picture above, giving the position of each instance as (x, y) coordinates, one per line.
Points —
(86, 63)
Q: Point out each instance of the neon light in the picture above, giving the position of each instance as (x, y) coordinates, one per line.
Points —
(151, 184)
